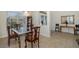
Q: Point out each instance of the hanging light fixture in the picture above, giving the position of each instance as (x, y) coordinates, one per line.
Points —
(28, 13)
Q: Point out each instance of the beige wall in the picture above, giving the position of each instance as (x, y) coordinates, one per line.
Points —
(3, 32)
(56, 17)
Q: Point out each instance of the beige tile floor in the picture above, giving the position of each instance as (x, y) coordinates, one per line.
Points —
(57, 40)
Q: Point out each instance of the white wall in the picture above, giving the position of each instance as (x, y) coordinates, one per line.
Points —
(3, 22)
(3, 32)
(45, 29)
(56, 17)
(36, 18)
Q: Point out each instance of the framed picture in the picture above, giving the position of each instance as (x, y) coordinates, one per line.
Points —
(67, 19)
(43, 18)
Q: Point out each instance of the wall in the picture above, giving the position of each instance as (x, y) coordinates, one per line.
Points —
(3, 21)
(36, 18)
(3, 32)
(56, 18)
(15, 13)
(45, 29)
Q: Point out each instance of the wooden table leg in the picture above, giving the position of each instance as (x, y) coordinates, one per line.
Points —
(9, 42)
(19, 42)
(25, 44)
(31, 44)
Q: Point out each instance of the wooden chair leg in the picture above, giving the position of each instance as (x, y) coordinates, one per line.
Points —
(9, 42)
(38, 43)
(31, 44)
(25, 44)
(19, 42)
(34, 42)
(15, 39)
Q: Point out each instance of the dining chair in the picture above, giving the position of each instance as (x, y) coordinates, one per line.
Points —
(32, 36)
(76, 29)
(57, 28)
(29, 23)
(11, 35)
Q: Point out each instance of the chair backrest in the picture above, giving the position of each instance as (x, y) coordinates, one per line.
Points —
(57, 24)
(11, 34)
(29, 23)
(37, 32)
(34, 34)
(77, 26)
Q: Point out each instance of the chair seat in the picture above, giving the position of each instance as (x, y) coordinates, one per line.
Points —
(32, 36)
(31, 40)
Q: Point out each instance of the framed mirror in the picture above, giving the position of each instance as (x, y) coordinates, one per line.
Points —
(67, 19)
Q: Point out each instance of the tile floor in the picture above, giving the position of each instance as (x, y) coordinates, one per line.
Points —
(57, 40)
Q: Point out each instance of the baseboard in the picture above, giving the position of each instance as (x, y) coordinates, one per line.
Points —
(3, 36)
(45, 35)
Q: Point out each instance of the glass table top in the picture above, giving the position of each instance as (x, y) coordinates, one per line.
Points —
(21, 30)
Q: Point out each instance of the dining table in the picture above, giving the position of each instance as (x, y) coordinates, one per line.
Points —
(20, 31)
